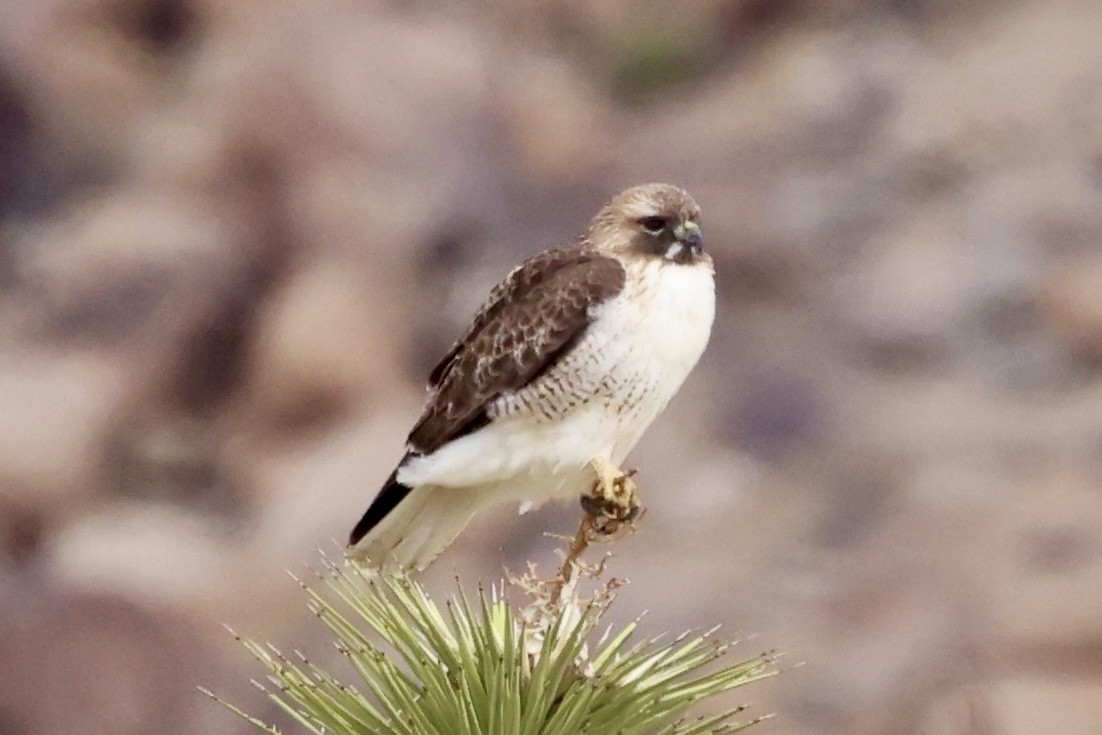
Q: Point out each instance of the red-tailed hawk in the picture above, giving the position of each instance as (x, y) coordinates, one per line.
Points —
(567, 363)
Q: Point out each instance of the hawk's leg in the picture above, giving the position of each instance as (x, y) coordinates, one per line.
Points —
(613, 501)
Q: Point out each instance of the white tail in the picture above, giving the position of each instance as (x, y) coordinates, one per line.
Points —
(421, 526)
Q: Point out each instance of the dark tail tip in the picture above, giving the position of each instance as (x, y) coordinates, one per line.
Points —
(393, 492)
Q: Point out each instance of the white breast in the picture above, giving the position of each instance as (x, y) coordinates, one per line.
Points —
(661, 324)
(597, 400)
(673, 307)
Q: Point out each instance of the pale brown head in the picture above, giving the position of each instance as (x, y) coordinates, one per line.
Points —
(653, 221)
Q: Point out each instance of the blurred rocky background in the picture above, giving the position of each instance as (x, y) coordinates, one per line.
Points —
(234, 235)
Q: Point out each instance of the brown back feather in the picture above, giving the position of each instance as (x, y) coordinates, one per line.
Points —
(535, 315)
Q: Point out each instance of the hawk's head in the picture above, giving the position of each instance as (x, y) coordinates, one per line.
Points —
(652, 220)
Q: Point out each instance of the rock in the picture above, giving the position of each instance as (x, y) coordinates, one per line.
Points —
(901, 304)
(1071, 303)
(1039, 591)
(143, 551)
(64, 649)
(1024, 703)
(322, 348)
(56, 408)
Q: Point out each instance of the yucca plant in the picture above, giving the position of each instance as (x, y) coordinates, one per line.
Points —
(479, 666)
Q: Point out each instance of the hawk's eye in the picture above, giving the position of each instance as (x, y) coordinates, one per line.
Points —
(653, 225)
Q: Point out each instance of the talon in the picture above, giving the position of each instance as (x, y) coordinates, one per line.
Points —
(592, 505)
(636, 511)
(613, 500)
(605, 529)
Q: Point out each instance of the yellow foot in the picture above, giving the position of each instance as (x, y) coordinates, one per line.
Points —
(613, 503)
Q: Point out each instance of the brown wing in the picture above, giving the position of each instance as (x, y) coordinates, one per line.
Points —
(532, 317)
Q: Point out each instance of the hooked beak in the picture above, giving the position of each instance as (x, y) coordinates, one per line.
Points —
(689, 235)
